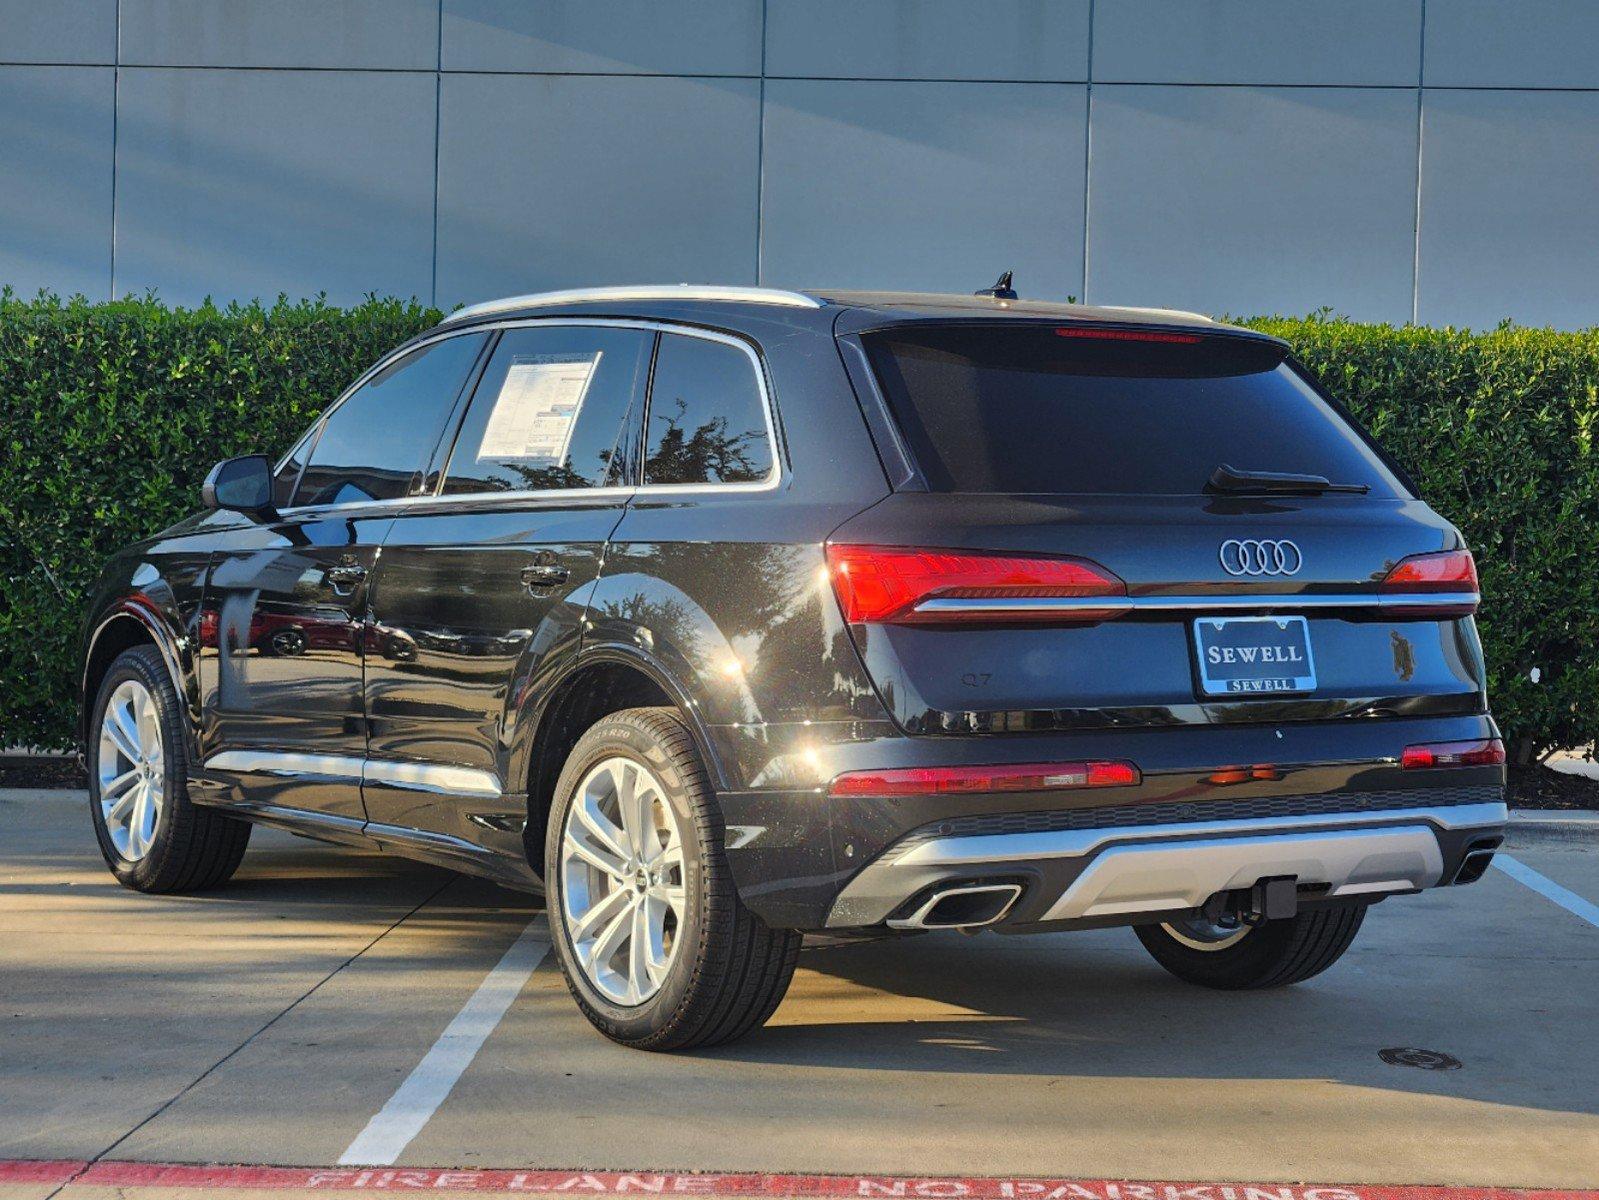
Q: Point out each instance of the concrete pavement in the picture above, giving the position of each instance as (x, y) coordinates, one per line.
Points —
(268, 1022)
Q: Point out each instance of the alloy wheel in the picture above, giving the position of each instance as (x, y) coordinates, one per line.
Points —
(131, 769)
(623, 893)
(1200, 933)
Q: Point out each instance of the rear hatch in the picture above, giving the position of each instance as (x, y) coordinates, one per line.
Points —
(1110, 526)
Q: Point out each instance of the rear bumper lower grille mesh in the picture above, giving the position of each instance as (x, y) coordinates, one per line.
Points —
(1156, 813)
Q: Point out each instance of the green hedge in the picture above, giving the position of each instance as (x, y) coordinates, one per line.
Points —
(1498, 429)
(110, 415)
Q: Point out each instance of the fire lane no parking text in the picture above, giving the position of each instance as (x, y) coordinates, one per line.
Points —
(178, 1177)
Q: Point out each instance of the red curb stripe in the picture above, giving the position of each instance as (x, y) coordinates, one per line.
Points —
(27, 1170)
(646, 1183)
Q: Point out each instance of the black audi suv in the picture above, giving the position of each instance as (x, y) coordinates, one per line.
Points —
(726, 615)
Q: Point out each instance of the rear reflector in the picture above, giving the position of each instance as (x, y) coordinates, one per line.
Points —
(1489, 753)
(1127, 335)
(1021, 777)
(1231, 775)
(892, 583)
(1450, 575)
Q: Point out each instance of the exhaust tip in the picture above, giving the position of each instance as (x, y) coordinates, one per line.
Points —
(1475, 865)
(967, 906)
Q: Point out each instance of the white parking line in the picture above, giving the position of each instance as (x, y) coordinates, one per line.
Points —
(1548, 888)
(411, 1107)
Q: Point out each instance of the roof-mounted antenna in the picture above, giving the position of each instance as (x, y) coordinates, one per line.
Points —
(1001, 289)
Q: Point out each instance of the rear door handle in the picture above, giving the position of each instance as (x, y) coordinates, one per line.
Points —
(544, 575)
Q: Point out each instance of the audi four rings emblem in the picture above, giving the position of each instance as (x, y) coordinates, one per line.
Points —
(1260, 556)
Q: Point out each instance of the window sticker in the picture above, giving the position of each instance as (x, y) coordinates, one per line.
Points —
(537, 407)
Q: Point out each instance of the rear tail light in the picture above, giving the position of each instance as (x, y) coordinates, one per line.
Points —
(1487, 753)
(901, 585)
(1022, 777)
(1451, 576)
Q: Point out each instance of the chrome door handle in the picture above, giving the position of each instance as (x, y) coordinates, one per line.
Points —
(544, 575)
(344, 578)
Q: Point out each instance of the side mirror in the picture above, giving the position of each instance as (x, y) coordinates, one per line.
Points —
(240, 485)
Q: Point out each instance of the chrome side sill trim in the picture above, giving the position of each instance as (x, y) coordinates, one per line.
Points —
(440, 778)
(277, 762)
(1074, 843)
(429, 777)
(1121, 605)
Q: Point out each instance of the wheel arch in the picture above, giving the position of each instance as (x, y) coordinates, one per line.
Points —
(599, 681)
(124, 625)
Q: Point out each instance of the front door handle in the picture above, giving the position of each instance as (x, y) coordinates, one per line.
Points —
(540, 575)
(344, 578)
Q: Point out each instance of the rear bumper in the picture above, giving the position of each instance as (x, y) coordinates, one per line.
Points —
(1122, 875)
(796, 851)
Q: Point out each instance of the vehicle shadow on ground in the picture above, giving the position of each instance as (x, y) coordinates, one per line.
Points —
(1094, 1004)
(1048, 1008)
(50, 849)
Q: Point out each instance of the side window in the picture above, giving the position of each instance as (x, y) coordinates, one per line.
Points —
(289, 473)
(706, 420)
(549, 410)
(375, 444)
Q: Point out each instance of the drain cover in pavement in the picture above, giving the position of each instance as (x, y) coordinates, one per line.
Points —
(1426, 1060)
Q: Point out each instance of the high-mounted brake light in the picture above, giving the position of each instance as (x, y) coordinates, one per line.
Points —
(1022, 777)
(1487, 753)
(1126, 335)
(1450, 575)
(904, 585)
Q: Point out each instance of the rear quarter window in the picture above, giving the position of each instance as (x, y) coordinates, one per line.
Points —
(707, 423)
(1060, 409)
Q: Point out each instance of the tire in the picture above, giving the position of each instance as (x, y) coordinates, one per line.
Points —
(179, 846)
(724, 971)
(1272, 954)
(286, 643)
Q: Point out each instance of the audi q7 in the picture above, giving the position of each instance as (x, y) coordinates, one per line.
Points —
(723, 616)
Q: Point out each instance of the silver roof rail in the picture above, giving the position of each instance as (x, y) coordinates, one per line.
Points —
(681, 291)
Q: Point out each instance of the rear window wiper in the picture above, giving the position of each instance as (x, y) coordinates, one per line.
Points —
(1233, 481)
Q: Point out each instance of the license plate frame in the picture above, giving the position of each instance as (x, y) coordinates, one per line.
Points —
(1249, 678)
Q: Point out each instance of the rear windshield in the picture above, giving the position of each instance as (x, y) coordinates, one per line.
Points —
(1046, 409)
